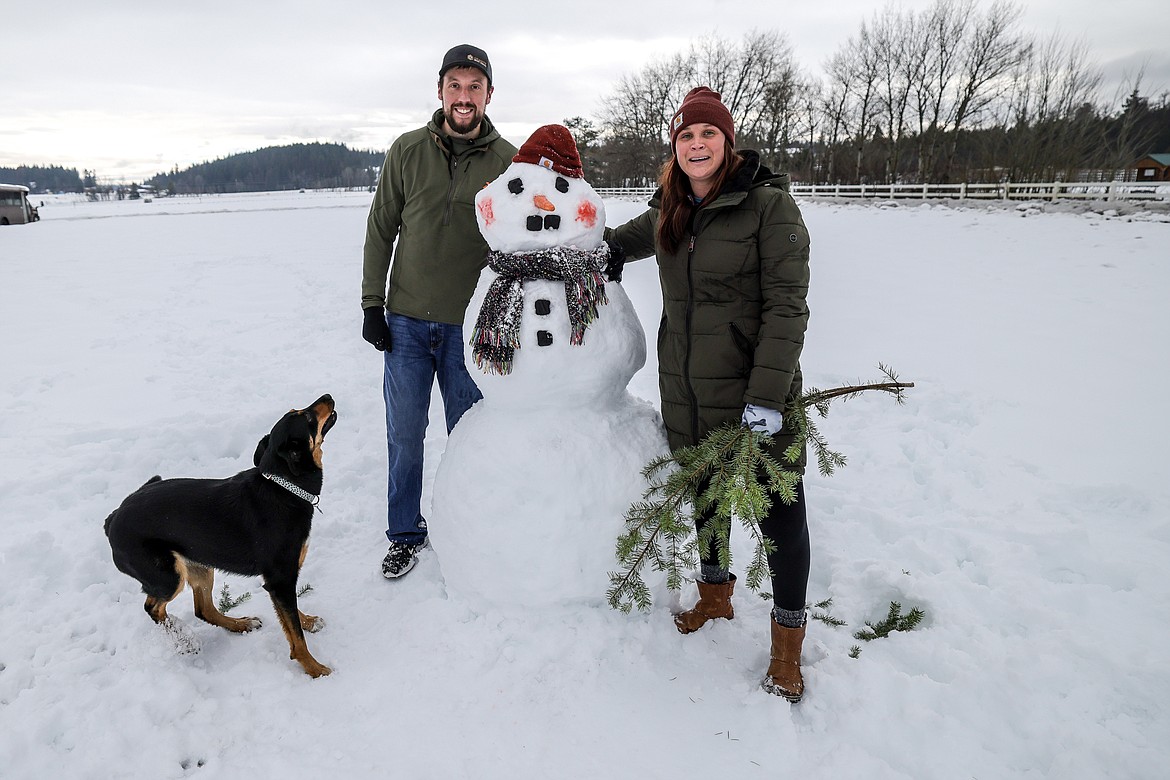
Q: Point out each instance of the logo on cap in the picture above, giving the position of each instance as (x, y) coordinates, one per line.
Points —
(545, 163)
(677, 123)
(477, 61)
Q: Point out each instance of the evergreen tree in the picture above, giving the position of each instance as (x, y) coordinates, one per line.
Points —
(43, 178)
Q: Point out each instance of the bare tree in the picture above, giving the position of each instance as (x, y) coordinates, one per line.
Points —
(810, 123)
(834, 99)
(744, 73)
(863, 119)
(944, 25)
(989, 52)
(895, 35)
(1051, 112)
(853, 93)
(782, 117)
(635, 116)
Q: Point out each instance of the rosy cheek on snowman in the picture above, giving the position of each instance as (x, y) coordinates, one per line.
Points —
(484, 207)
(587, 214)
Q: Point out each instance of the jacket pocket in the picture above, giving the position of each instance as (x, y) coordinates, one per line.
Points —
(745, 347)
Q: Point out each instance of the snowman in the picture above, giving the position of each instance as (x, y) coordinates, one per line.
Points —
(529, 497)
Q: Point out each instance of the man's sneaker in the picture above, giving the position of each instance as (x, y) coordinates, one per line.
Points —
(400, 559)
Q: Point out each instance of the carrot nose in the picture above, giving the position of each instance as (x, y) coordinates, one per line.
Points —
(543, 203)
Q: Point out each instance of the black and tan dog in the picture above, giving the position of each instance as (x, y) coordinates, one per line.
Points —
(172, 532)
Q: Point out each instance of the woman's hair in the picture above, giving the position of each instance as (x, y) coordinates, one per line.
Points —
(674, 210)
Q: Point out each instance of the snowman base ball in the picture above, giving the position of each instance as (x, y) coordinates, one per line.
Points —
(527, 513)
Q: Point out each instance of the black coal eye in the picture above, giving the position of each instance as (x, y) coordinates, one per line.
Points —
(515, 186)
(562, 185)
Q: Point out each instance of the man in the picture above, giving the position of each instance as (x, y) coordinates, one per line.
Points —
(425, 200)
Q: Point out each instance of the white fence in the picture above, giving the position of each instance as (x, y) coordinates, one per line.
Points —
(1061, 190)
(626, 193)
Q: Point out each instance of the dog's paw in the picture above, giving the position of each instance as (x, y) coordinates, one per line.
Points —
(237, 625)
(316, 670)
(312, 624)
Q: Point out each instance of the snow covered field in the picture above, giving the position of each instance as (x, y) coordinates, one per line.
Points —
(1019, 498)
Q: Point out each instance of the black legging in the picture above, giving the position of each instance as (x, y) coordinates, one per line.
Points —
(787, 527)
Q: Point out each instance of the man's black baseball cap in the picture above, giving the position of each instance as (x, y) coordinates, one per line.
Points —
(467, 56)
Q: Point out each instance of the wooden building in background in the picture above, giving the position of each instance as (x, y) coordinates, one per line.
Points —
(1153, 167)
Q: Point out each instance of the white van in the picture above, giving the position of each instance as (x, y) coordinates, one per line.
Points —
(14, 205)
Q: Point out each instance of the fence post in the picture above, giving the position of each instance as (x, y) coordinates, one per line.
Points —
(1109, 192)
(1007, 186)
(963, 191)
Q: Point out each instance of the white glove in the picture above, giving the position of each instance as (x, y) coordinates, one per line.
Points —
(762, 419)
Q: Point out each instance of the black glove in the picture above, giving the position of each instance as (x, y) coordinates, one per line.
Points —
(617, 261)
(374, 328)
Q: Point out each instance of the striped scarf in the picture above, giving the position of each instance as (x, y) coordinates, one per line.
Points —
(497, 330)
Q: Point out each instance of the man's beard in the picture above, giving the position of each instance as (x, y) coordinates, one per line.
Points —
(460, 125)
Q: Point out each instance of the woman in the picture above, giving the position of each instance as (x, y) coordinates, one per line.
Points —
(732, 254)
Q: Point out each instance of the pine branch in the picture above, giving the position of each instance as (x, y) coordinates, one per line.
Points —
(817, 397)
(820, 398)
(894, 621)
(227, 603)
(728, 474)
(824, 615)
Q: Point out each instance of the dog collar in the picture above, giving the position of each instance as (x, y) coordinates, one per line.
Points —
(296, 490)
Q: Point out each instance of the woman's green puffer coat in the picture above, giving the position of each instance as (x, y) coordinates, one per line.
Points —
(734, 308)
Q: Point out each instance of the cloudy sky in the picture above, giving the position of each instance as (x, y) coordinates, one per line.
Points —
(130, 89)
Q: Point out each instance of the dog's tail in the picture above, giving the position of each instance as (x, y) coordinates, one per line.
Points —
(110, 519)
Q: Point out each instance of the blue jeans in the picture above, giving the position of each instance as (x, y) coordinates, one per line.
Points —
(419, 352)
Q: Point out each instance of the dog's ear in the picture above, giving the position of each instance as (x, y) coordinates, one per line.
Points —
(261, 448)
(292, 451)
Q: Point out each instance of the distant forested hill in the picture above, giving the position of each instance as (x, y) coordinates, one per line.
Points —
(299, 166)
(39, 178)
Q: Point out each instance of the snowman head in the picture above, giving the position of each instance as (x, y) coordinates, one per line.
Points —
(541, 201)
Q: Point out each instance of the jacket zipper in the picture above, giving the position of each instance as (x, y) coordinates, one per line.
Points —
(687, 358)
(454, 170)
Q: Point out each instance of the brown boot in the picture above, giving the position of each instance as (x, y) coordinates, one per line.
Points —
(714, 602)
(783, 677)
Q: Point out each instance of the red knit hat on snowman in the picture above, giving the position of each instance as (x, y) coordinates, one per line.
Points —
(552, 147)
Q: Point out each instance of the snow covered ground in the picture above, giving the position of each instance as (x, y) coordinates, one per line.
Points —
(1019, 498)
